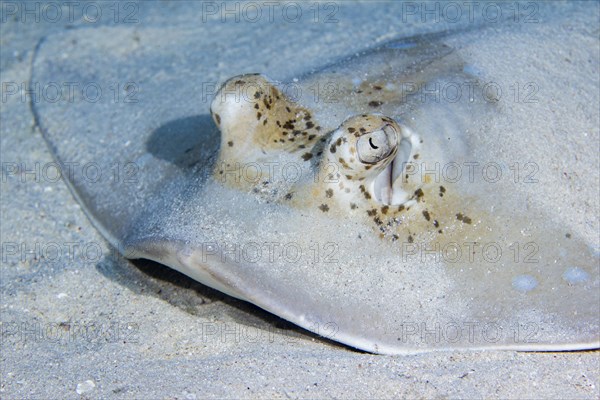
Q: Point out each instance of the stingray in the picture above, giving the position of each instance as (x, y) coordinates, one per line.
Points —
(352, 200)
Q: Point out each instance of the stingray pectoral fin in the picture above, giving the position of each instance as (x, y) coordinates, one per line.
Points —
(382, 79)
(199, 263)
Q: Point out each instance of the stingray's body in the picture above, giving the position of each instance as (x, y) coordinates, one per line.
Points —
(340, 212)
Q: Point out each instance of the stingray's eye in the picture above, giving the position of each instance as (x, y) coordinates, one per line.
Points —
(378, 145)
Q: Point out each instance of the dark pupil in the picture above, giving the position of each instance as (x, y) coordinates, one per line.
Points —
(372, 145)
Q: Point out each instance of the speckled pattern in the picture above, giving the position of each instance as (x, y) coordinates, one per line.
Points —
(141, 330)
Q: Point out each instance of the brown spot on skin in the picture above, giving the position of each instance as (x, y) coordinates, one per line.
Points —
(419, 193)
(301, 146)
(416, 156)
(288, 196)
(258, 115)
(256, 106)
(410, 239)
(257, 95)
(287, 109)
(318, 128)
(372, 212)
(332, 148)
(363, 130)
(218, 118)
(351, 130)
(377, 87)
(568, 235)
(384, 209)
(349, 177)
(307, 156)
(296, 132)
(426, 215)
(442, 189)
(395, 237)
(309, 125)
(311, 137)
(401, 208)
(377, 220)
(230, 143)
(353, 206)
(265, 122)
(375, 103)
(436, 223)
(324, 207)
(329, 193)
(463, 218)
(239, 82)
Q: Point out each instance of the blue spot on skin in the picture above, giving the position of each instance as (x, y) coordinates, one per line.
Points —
(524, 283)
(575, 275)
(472, 70)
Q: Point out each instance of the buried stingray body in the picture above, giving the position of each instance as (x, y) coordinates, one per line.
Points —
(367, 169)
(351, 166)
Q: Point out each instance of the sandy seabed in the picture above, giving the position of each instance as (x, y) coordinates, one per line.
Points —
(79, 320)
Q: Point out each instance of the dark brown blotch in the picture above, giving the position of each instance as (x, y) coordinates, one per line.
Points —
(426, 215)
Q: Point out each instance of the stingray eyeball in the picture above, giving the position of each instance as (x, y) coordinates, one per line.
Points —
(376, 146)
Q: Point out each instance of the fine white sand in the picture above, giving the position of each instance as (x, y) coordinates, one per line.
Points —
(79, 320)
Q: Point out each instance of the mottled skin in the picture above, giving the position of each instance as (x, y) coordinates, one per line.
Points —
(260, 125)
